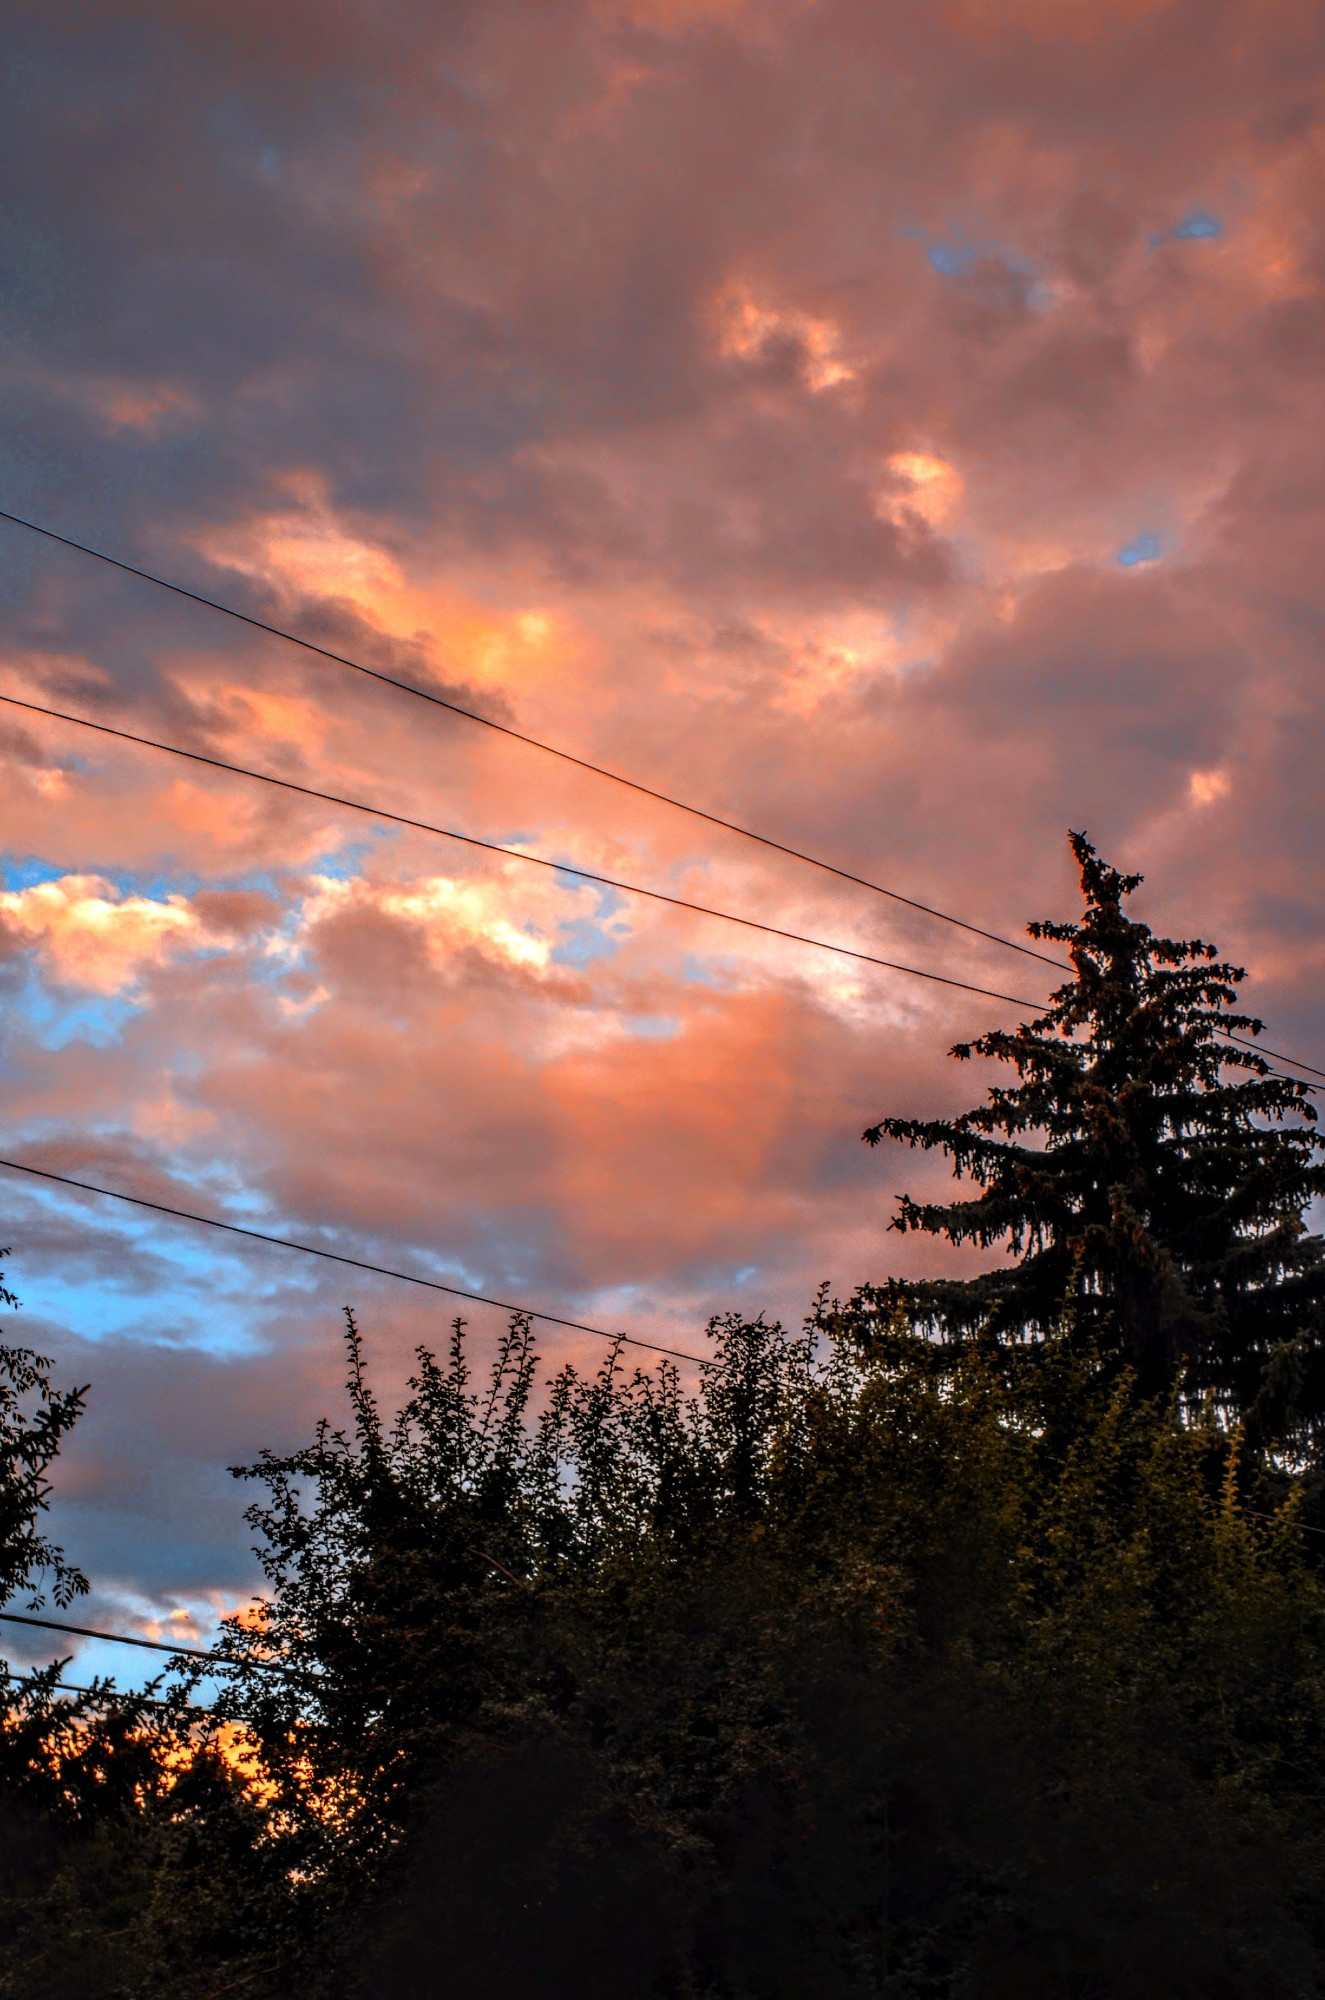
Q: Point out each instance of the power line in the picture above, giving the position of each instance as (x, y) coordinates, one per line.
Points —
(355, 1263)
(128, 1696)
(519, 736)
(1303, 1527)
(514, 853)
(128, 1639)
(580, 874)
(581, 763)
(1259, 1048)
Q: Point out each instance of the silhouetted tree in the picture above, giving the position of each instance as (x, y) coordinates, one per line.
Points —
(35, 1417)
(856, 1672)
(1149, 1176)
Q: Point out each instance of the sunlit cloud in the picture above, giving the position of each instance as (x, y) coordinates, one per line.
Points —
(747, 327)
(922, 484)
(307, 550)
(452, 915)
(87, 934)
(1205, 788)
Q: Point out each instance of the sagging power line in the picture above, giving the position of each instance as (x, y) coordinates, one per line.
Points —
(520, 736)
(355, 1263)
(586, 764)
(131, 1639)
(513, 853)
(569, 868)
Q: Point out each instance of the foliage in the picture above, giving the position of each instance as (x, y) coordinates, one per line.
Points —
(35, 1417)
(865, 1670)
(1148, 1175)
(76, 1775)
(44, 1752)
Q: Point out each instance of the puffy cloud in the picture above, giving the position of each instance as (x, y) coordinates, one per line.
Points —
(88, 935)
(448, 915)
(747, 328)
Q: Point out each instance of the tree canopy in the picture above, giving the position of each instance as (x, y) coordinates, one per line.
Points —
(1147, 1174)
(35, 1417)
(878, 1674)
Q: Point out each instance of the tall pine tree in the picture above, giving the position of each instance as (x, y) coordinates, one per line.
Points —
(1148, 1176)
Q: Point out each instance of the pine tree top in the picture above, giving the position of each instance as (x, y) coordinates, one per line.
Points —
(1149, 1176)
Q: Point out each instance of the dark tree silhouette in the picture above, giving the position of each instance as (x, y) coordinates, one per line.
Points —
(1149, 1176)
(34, 1418)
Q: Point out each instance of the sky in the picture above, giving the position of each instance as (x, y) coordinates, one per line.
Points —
(892, 428)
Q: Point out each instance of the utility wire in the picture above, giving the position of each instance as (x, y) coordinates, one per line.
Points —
(514, 853)
(519, 736)
(356, 1263)
(582, 763)
(1303, 1527)
(583, 874)
(126, 1639)
(113, 1694)
(1259, 1048)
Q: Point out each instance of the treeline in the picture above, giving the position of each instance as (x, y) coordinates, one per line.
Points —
(968, 1643)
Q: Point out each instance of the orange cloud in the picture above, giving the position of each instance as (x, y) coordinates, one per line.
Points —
(89, 935)
(453, 914)
(931, 488)
(746, 326)
(307, 550)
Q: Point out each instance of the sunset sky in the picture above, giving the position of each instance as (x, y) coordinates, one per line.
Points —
(893, 425)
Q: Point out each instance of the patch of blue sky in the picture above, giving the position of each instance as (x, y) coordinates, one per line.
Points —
(226, 1195)
(654, 1027)
(100, 1659)
(953, 255)
(285, 953)
(169, 1311)
(55, 1022)
(274, 967)
(582, 943)
(132, 1668)
(586, 939)
(611, 902)
(569, 875)
(159, 885)
(157, 1281)
(1143, 548)
(950, 259)
(1197, 226)
(346, 862)
(744, 1273)
(697, 971)
(260, 880)
(28, 871)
